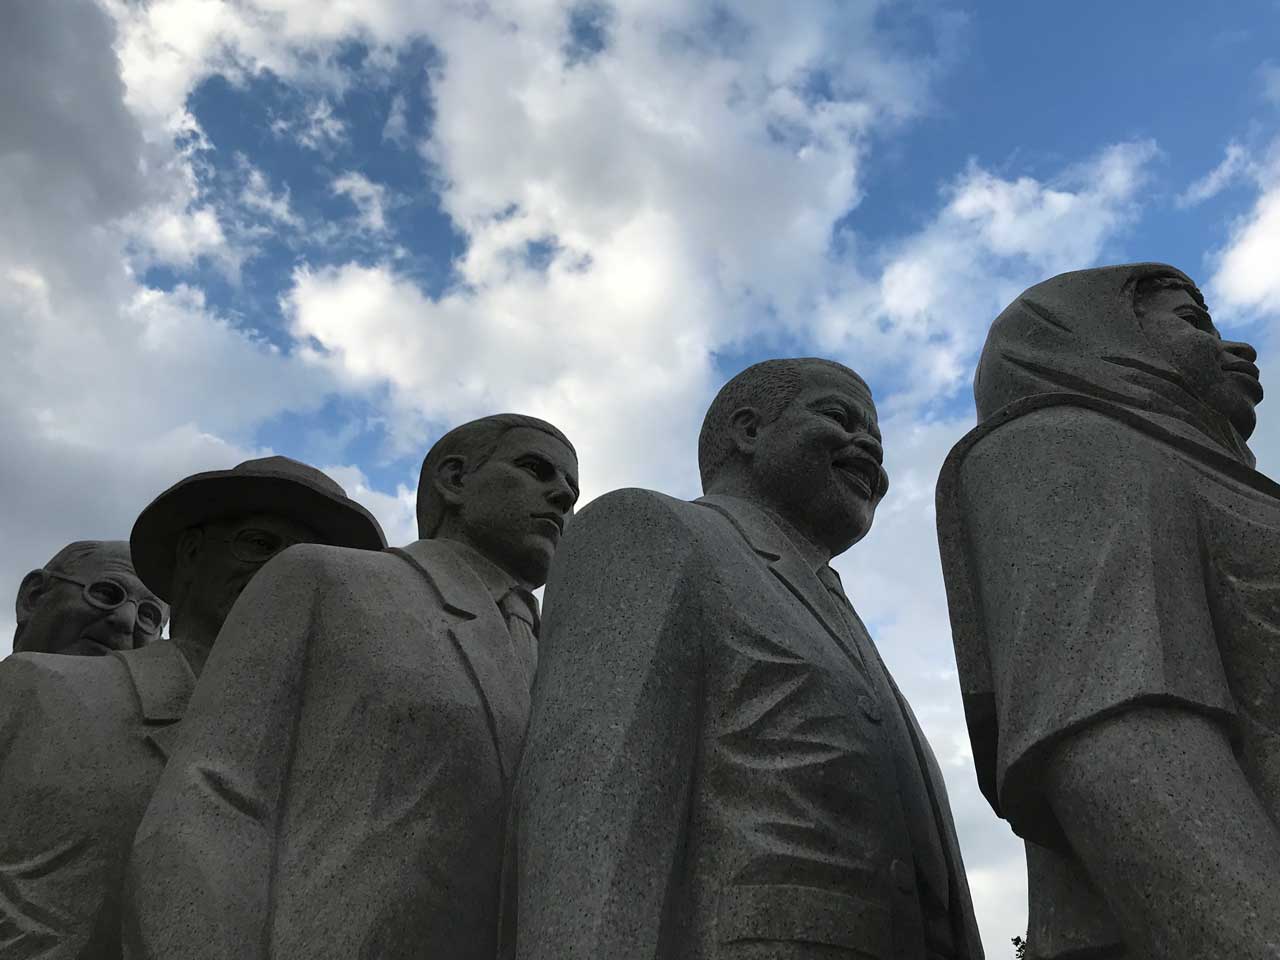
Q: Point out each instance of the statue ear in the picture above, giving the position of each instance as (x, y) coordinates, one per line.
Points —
(744, 430)
(450, 478)
(30, 592)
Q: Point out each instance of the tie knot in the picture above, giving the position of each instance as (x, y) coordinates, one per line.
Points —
(522, 605)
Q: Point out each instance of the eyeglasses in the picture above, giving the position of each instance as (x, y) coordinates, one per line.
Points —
(255, 546)
(107, 595)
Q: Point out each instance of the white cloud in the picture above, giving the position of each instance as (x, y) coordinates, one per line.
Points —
(370, 199)
(1235, 164)
(1246, 278)
(925, 312)
(112, 391)
(258, 196)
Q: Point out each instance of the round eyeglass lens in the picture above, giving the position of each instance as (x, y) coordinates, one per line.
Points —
(106, 594)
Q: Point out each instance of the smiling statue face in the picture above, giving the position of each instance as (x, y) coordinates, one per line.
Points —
(514, 506)
(109, 609)
(1219, 372)
(820, 462)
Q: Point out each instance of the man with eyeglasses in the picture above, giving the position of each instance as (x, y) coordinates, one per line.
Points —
(87, 601)
(84, 739)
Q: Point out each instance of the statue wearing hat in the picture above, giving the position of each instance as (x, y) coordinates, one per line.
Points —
(342, 784)
(87, 737)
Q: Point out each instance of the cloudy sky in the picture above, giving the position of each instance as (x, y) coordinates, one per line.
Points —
(333, 228)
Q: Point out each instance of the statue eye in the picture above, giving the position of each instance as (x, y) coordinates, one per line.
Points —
(150, 616)
(539, 469)
(836, 414)
(107, 593)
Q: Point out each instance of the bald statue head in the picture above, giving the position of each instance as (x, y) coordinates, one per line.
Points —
(87, 601)
(800, 438)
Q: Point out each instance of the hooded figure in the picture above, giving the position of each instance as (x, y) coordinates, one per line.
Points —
(1112, 563)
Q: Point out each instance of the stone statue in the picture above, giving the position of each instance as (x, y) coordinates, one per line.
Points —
(718, 763)
(87, 601)
(342, 785)
(1113, 569)
(85, 738)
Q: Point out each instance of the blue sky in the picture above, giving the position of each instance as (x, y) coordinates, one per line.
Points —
(333, 230)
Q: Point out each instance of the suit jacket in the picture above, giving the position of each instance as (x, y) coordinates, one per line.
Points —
(341, 787)
(82, 743)
(712, 768)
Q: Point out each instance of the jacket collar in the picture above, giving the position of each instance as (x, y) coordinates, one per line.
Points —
(460, 588)
(766, 538)
(481, 636)
(162, 679)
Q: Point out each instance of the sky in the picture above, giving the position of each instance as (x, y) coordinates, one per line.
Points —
(331, 229)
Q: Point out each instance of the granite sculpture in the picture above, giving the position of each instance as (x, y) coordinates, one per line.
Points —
(1112, 561)
(343, 780)
(718, 762)
(85, 738)
(87, 601)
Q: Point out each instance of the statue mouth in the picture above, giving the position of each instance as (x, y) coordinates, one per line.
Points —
(554, 518)
(1243, 366)
(863, 472)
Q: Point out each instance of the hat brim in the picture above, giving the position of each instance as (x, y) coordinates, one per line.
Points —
(219, 494)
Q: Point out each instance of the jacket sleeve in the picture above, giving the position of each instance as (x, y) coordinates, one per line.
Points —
(603, 793)
(199, 879)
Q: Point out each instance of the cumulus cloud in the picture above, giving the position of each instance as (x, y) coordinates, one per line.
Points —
(1245, 278)
(924, 311)
(112, 390)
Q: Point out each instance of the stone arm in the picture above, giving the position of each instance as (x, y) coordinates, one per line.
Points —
(199, 879)
(1154, 804)
(602, 800)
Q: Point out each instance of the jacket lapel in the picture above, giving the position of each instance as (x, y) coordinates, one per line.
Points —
(480, 635)
(163, 681)
(785, 562)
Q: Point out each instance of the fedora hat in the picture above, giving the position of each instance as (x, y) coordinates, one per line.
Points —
(274, 485)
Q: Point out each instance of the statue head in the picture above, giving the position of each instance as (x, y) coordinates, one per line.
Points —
(1134, 334)
(87, 601)
(504, 485)
(1222, 373)
(200, 542)
(800, 438)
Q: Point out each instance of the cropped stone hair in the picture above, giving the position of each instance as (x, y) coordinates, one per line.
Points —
(767, 387)
(476, 442)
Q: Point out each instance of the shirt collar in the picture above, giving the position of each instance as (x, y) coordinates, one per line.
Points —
(496, 580)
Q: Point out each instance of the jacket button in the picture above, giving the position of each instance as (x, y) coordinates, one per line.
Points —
(870, 709)
(903, 876)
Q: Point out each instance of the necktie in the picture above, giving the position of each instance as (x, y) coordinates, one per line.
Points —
(520, 610)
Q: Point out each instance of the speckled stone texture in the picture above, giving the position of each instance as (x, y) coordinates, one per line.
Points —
(714, 764)
(1113, 569)
(84, 740)
(340, 790)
